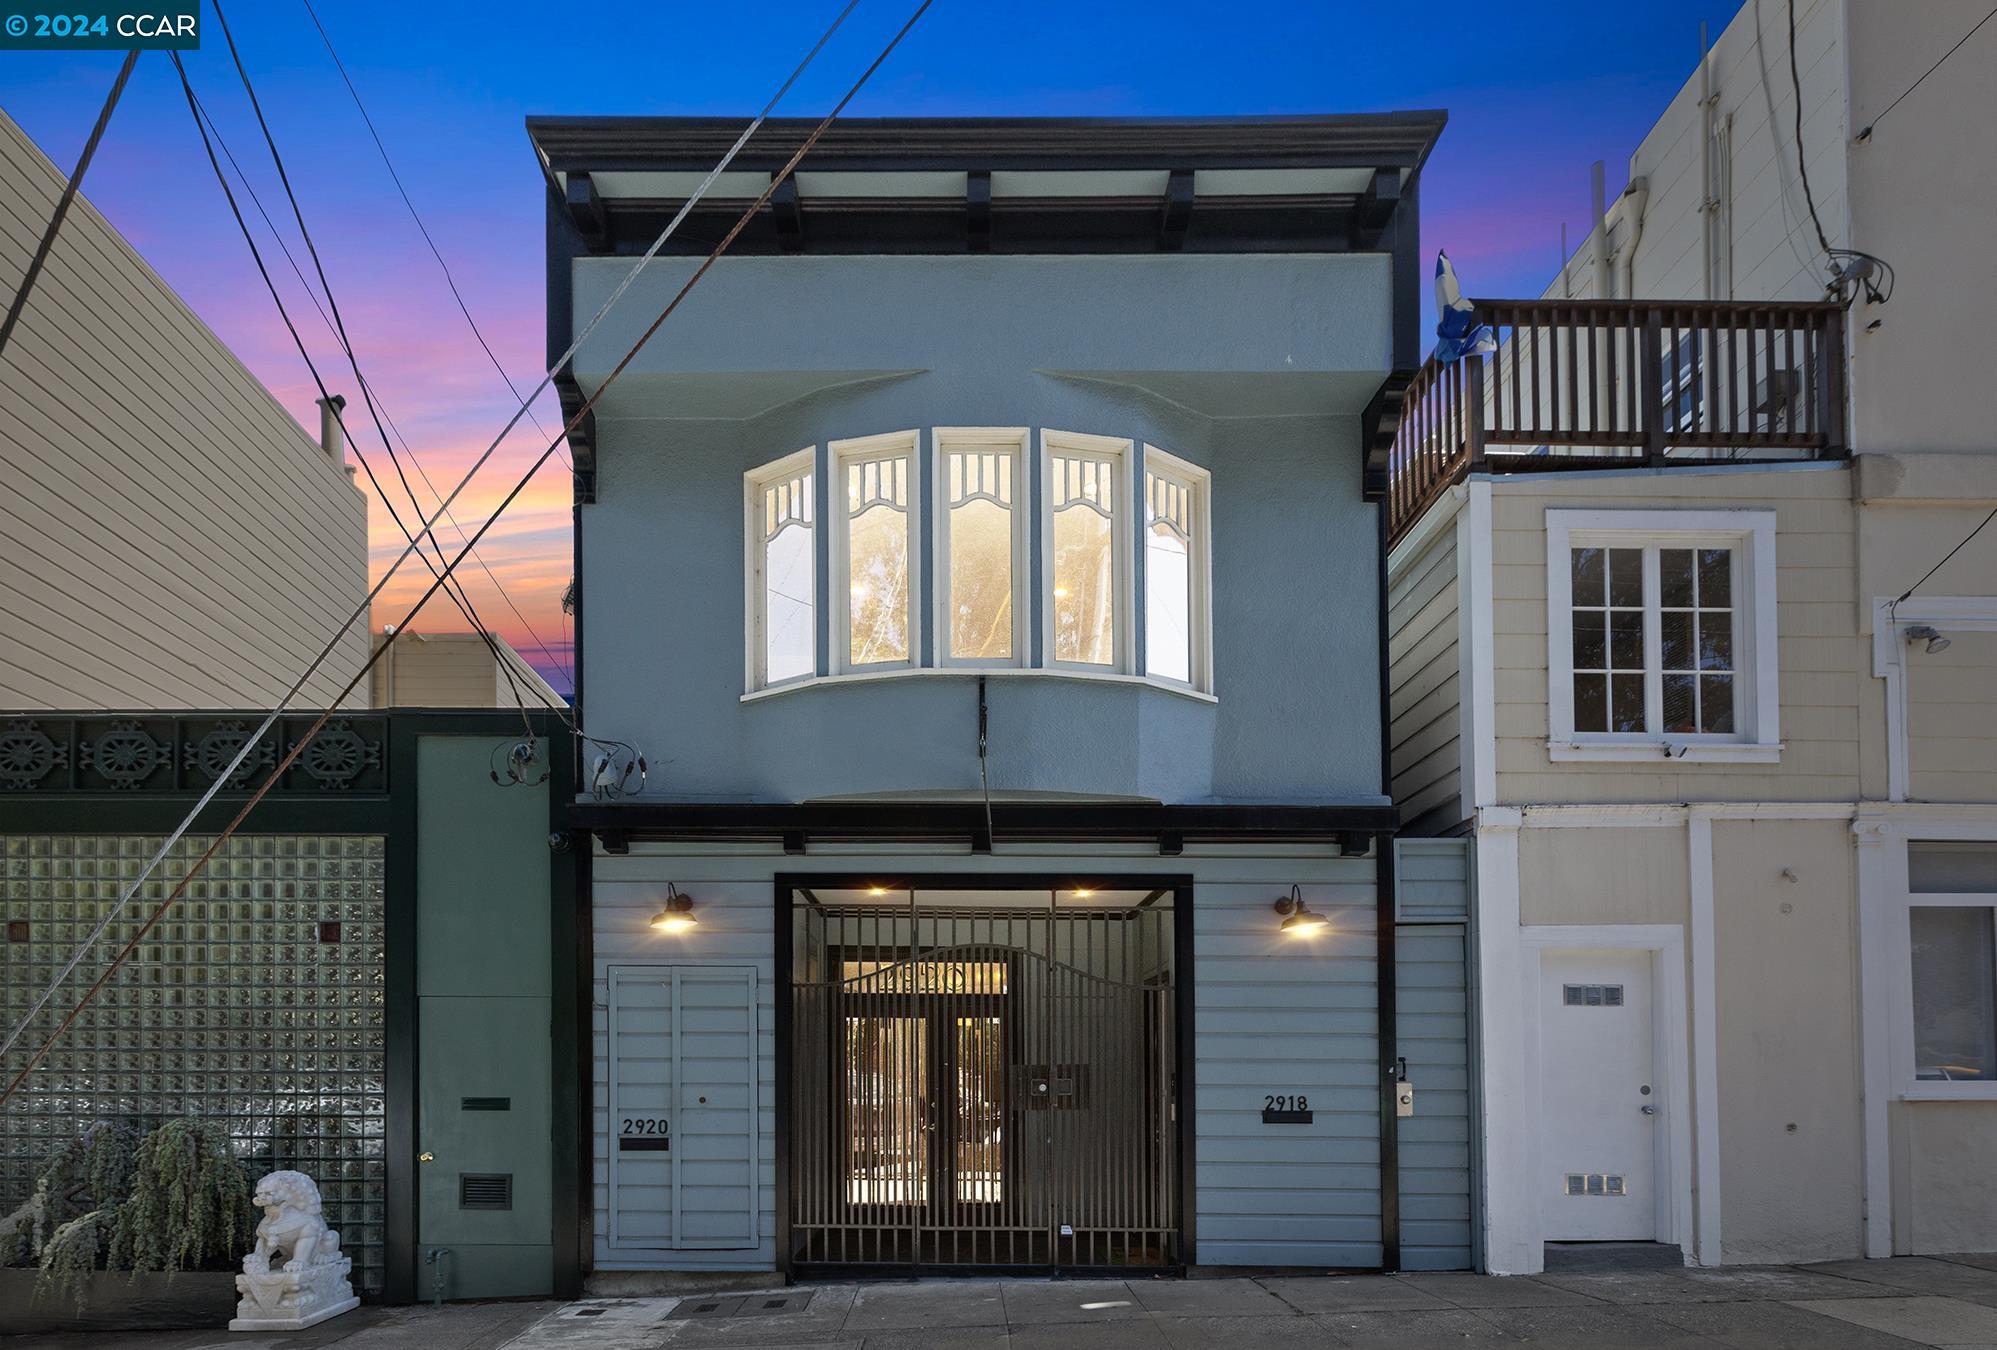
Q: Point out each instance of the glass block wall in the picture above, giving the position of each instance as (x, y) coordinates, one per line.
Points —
(257, 1002)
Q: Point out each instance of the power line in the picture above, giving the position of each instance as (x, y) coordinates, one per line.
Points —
(270, 719)
(256, 254)
(449, 279)
(62, 205)
(1924, 75)
(1951, 553)
(277, 236)
(1803, 160)
(458, 595)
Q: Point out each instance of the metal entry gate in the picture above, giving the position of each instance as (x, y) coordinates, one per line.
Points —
(984, 1079)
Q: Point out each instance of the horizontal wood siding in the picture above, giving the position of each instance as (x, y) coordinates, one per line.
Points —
(1273, 1015)
(1424, 675)
(1952, 719)
(1823, 661)
(1432, 1015)
(1432, 880)
(169, 537)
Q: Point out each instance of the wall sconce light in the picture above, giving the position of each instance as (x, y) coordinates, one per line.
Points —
(1928, 633)
(1298, 920)
(676, 914)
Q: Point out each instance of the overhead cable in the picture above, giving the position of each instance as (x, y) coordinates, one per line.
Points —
(361, 610)
(62, 205)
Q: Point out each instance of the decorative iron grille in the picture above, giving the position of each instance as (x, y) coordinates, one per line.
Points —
(257, 1002)
(984, 1085)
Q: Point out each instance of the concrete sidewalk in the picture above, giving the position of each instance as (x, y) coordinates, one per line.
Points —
(1846, 1305)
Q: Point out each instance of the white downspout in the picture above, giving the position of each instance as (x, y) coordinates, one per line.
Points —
(1635, 198)
(1706, 200)
(1596, 200)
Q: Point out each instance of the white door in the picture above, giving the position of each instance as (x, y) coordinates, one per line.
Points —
(1601, 1111)
(683, 1118)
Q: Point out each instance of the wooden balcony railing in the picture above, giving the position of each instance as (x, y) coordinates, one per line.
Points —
(1599, 384)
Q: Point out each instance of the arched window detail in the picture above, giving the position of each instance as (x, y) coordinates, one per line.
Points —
(1176, 571)
(1088, 581)
(874, 552)
(980, 546)
(783, 572)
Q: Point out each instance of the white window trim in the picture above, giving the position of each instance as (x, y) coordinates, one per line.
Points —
(1759, 697)
(838, 587)
(753, 484)
(1899, 937)
(1123, 620)
(1890, 662)
(1018, 442)
(1199, 565)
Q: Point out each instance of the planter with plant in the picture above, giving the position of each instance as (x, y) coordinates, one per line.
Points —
(117, 1216)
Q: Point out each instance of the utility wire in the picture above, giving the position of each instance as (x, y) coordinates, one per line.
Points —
(387, 163)
(1924, 75)
(277, 236)
(458, 595)
(1951, 553)
(298, 341)
(62, 205)
(270, 719)
(1802, 159)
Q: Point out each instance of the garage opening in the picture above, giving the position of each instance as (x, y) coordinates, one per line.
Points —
(984, 1077)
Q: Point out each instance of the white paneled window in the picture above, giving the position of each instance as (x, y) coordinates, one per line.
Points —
(874, 552)
(1086, 496)
(981, 571)
(1176, 571)
(782, 572)
(1952, 935)
(1661, 635)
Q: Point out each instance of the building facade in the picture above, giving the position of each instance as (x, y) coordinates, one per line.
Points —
(456, 670)
(1674, 645)
(980, 562)
(175, 541)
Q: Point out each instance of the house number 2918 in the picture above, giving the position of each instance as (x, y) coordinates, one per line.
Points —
(1280, 1102)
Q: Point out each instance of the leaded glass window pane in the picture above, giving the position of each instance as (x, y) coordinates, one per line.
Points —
(1083, 501)
(980, 502)
(789, 581)
(1168, 577)
(877, 504)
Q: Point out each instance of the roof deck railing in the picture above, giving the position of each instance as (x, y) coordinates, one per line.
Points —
(1602, 384)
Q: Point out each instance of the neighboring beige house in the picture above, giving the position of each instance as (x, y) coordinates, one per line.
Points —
(1733, 808)
(455, 670)
(169, 538)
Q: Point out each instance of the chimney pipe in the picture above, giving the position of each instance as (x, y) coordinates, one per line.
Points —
(1598, 210)
(330, 438)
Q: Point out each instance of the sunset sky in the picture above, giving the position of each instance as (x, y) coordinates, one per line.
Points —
(1535, 91)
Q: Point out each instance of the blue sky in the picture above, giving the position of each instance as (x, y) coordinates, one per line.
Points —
(1535, 90)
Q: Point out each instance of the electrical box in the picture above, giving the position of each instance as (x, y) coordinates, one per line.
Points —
(1404, 1098)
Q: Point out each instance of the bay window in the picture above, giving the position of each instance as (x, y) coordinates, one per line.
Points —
(971, 551)
(1661, 634)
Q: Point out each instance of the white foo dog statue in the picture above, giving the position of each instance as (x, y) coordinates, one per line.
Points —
(311, 1284)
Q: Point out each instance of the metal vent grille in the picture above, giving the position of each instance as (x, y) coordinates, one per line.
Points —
(1592, 995)
(485, 1190)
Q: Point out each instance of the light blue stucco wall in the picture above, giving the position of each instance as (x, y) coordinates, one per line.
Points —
(1253, 367)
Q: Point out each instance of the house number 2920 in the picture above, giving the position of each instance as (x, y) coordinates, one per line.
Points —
(1280, 1102)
